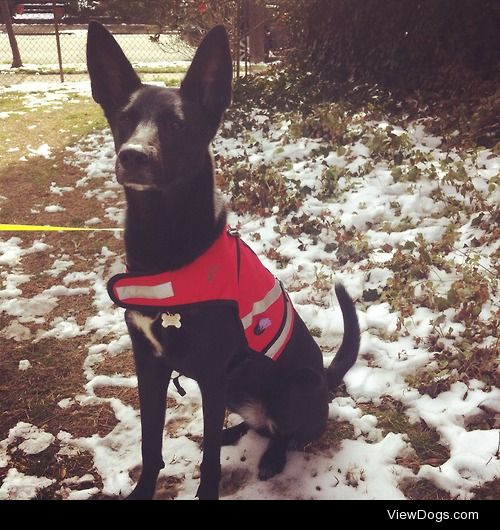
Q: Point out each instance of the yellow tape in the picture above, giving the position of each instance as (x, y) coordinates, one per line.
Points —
(42, 228)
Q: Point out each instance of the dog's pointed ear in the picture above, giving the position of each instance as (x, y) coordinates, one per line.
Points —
(208, 80)
(112, 77)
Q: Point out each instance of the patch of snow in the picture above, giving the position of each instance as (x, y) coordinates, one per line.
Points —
(65, 403)
(19, 486)
(62, 329)
(82, 495)
(42, 150)
(24, 365)
(10, 252)
(79, 480)
(57, 190)
(59, 266)
(54, 208)
(35, 440)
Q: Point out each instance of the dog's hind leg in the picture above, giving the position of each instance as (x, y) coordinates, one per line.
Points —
(232, 434)
(273, 460)
(153, 378)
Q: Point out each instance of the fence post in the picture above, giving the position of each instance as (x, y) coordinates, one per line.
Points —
(58, 41)
(242, 39)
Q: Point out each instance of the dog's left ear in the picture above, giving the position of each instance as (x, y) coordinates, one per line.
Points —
(208, 80)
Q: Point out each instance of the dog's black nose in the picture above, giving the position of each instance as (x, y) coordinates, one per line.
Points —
(133, 159)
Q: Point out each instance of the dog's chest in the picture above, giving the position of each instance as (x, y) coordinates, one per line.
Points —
(146, 326)
(176, 338)
(162, 332)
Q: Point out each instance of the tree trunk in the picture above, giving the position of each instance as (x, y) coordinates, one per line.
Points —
(16, 56)
(257, 27)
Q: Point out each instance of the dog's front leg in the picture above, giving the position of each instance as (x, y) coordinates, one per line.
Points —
(153, 378)
(213, 394)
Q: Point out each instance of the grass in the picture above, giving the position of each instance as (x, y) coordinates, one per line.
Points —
(171, 76)
(71, 70)
(336, 432)
(11, 102)
(423, 490)
(33, 395)
(488, 491)
(60, 128)
(63, 126)
(423, 439)
(56, 373)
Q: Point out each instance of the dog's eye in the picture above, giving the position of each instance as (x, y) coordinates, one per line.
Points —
(172, 122)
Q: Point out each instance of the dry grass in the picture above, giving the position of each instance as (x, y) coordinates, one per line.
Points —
(489, 491)
(32, 395)
(25, 185)
(423, 490)
(59, 127)
(330, 442)
(57, 365)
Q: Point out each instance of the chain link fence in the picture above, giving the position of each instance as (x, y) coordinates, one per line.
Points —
(51, 37)
(156, 56)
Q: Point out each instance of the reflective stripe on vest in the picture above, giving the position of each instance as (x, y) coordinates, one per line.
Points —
(228, 272)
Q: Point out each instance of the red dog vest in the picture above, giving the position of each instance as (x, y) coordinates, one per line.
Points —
(229, 271)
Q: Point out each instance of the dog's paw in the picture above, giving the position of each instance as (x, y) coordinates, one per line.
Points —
(272, 463)
(140, 494)
(210, 493)
(231, 435)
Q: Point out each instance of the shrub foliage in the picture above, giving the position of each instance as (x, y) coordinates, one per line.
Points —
(398, 43)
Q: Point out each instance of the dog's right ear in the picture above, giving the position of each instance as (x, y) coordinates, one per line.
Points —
(112, 77)
(208, 80)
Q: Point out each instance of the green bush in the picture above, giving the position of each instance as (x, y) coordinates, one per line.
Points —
(399, 43)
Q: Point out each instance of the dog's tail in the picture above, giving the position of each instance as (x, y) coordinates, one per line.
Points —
(348, 351)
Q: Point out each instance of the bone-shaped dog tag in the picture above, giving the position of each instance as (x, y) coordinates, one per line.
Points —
(168, 320)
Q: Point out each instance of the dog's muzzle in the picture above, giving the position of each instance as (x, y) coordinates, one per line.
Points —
(136, 165)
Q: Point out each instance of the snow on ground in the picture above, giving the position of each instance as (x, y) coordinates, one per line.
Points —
(36, 94)
(24, 364)
(387, 211)
(22, 487)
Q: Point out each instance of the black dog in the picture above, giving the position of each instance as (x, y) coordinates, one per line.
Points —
(175, 217)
